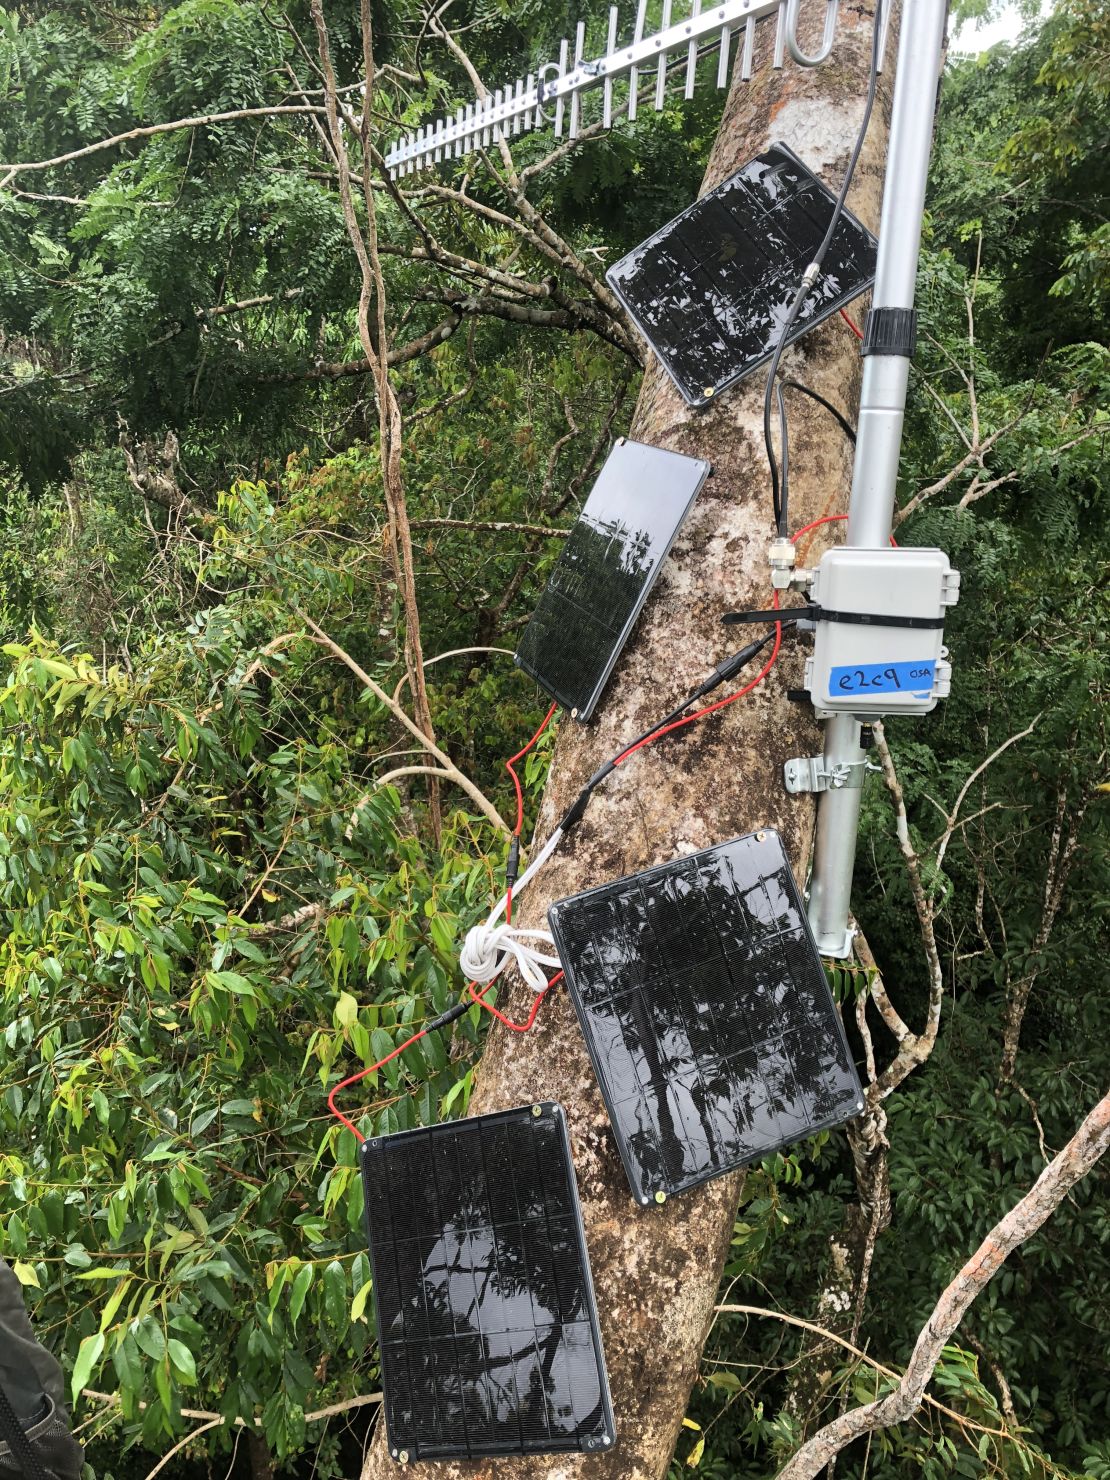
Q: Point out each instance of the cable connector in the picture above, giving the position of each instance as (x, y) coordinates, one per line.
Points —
(782, 558)
(581, 801)
(512, 866)
(730, 667)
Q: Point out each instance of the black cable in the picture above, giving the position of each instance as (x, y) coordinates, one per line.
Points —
(726, 669)
(845, 425)
(780, 505)
(782, 499)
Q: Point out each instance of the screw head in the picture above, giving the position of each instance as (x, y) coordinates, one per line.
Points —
(404, 1456)
(761, 837)
(574, 714)
(660, 1197)
(709, 390)
(537, 1111)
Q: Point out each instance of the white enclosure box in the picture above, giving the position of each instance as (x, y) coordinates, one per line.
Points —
(867, 667)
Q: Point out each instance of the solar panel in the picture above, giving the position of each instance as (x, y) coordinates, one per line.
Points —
(706, 1013)
(486, 1319)
(607, 567)
(711, 289)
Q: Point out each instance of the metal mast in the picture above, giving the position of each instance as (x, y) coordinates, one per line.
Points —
(888, 349)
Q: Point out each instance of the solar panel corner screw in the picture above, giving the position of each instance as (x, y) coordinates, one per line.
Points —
(404, 1456)
(537, 1111)
(660, 1197)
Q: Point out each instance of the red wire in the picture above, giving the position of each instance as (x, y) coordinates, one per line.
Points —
(709, 709)
(851, 326)
(826, 519)
(479, 997)
(516, 779)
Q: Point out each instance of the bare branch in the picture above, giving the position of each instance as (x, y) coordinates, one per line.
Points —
(201, 120)
(339, 369)
(494, 526)
(213, 1423)
(815, 1330)
(1082, 1152)
(375, 345)
(450, 770)
(345, 1405)
(914, 1049)
(950, 822)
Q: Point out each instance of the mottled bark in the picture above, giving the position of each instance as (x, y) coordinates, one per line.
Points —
(657, 1271)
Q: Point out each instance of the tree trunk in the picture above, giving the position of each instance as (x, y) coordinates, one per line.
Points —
(657, 1271)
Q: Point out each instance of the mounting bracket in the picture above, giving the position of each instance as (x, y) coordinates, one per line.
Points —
(813, 773)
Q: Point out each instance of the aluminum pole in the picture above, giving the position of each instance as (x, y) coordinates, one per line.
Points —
(879, 437)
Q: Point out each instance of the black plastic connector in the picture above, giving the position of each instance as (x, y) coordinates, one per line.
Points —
(890, 331)
(450, 1016)
(512, 867)
(578, 806)
(732, 666)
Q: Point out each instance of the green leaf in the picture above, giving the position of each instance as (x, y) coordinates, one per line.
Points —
(114, 1301)
(335, 1296)
(150, 1338)
(299, 1293)
(128, 1364)
(358, 1304)
(25, 1274)
(88, 1355)
(182, 1361)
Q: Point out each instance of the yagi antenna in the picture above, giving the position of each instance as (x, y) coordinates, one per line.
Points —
(542, 97)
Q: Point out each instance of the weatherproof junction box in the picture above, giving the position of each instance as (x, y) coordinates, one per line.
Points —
(862, 665)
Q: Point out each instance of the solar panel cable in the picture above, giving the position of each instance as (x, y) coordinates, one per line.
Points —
(780, 490)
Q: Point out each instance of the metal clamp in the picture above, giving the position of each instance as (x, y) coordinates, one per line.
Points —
(803, 58)
(810, 773)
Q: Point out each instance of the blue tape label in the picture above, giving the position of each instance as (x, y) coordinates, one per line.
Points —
(884, 678)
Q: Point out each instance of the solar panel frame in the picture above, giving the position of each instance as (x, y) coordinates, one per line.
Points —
(737, 283)
(466, 1183)
(701, 998)
(657, 486)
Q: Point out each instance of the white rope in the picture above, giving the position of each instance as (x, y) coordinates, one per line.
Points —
(486, 951)
(489, 945)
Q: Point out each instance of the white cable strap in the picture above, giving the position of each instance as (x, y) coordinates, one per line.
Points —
(488, 946)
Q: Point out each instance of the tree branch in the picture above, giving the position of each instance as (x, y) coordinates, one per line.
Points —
(201, 120)
(1082, 1152)
(494, 526)
(916, 1048)
(450, 770)
(376, 348)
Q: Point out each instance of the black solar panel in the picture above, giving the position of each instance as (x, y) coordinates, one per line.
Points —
(486, 1318)
(710, 290)
(706, 1013)
(608, 565)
